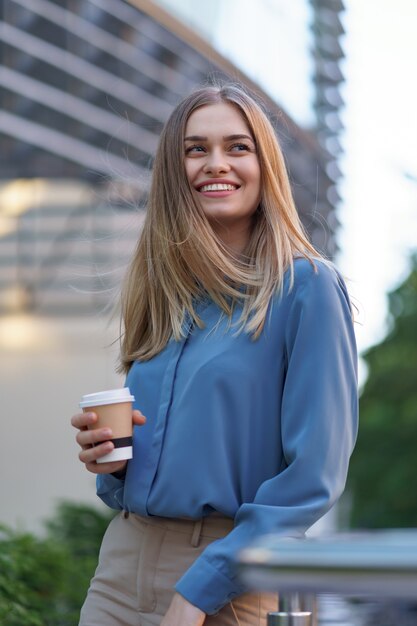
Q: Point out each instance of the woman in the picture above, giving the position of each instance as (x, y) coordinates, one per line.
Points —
(239, 349)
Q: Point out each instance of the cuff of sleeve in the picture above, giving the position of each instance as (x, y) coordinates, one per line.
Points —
(108, 482)
(110, 490)
(120, 475)
(206, 588)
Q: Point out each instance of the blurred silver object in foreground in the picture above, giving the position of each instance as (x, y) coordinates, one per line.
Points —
(290, 613)
(382, 563)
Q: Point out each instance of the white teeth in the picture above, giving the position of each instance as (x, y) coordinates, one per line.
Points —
(218, 187)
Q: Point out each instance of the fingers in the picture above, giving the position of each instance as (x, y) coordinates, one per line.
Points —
(91, 454)
(88, 438)
(89, 457)
(138, 418)
(94, 441)
(83, 420)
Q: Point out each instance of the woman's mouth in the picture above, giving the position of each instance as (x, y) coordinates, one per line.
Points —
(217, 190)
(217, 187)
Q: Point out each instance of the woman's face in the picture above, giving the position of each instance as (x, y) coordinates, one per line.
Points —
(223, 169)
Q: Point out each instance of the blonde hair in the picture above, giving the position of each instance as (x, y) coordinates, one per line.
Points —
(179, 258)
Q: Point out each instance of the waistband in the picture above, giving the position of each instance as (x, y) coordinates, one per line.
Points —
(213, 526)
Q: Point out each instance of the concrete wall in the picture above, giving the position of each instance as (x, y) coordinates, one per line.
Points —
(46, 364)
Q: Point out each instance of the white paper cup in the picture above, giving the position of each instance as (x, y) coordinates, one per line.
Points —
(114, 410)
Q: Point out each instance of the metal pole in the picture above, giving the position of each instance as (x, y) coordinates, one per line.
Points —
(289, 612)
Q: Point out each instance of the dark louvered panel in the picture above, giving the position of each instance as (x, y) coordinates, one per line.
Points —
(327, 53)
(85, 88)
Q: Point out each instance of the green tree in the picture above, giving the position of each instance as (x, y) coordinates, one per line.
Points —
(30, 579)
(80, 529)
(43, 581)
(382, 478)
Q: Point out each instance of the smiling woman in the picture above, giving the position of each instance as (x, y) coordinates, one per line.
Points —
(238, 346)
(223, 169)
(189, 245)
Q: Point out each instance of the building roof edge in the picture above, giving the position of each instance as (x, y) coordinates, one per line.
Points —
(169, 21)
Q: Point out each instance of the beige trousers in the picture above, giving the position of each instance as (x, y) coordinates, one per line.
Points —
(140, 561)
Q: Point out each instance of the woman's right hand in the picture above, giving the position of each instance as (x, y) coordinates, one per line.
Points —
(87, 437)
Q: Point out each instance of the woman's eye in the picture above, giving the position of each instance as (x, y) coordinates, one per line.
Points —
(238, 147)
(194, 149)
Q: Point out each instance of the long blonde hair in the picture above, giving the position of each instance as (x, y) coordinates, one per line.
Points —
(179, 258)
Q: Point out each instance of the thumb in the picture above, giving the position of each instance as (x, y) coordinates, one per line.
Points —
(138, 418)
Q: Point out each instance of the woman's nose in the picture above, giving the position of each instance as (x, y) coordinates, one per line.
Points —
(216, 162)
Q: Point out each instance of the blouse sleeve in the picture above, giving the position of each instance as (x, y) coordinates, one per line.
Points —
(110, 489)
(318, 424)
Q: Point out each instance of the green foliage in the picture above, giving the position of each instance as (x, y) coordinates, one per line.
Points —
(43, 582)
(384, 464)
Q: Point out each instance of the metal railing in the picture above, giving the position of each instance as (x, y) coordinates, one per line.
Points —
(291, 612)
(381, 564)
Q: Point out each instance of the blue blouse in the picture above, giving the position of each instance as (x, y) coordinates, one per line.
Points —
(259, 431)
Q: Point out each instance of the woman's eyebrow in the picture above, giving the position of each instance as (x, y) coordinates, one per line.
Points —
(239, 136)
(195, 138)
(226, 138)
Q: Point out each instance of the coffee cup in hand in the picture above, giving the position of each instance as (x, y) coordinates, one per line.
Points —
(114, 410)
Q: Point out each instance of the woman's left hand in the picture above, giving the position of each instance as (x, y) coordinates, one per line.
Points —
(183, 613)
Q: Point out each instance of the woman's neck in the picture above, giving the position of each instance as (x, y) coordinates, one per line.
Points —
(235, 240)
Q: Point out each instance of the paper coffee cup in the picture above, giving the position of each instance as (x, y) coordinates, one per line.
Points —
(114, 410)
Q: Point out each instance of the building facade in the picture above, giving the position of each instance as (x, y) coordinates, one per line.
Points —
(86, 86)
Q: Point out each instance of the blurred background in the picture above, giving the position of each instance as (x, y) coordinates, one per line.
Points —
(85, 88)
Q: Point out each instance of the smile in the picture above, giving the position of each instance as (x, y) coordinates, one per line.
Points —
(218, 187)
